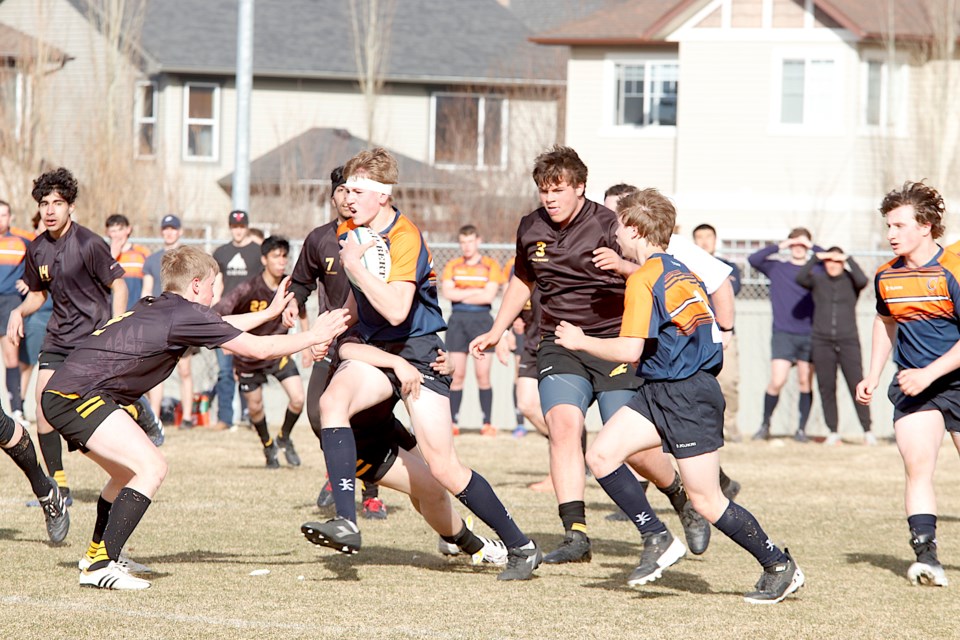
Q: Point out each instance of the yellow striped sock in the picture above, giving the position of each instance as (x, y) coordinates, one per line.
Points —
(576, 526)
(94, 549)
(61, 478)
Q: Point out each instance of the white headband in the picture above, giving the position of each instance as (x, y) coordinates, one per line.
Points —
(370, 185)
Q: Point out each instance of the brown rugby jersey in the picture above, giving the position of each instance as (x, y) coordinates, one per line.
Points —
(252, 294)
(319, 264)
(138, 350)
(560, 262)
(76, 270)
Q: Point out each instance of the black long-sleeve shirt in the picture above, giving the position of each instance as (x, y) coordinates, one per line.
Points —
(834, 299)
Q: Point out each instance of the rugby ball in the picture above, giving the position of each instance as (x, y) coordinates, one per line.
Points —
(376, 259)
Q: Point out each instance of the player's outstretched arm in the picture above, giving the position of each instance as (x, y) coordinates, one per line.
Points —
(328, 326)
(33, 301)
(252, 320)
(619, 349)
(120, 296)
(514, 298)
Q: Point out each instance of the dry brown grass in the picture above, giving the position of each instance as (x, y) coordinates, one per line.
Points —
(221, 515)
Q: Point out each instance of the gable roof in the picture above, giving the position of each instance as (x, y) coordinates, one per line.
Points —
(308, 159)
(635, 22)
(16, 45)
(436, 41)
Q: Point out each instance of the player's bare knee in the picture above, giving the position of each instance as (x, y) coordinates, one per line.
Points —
(599, 462)
(295, 405)
(710, 505)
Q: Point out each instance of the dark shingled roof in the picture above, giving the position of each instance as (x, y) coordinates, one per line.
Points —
(437, 41)
(308, 159)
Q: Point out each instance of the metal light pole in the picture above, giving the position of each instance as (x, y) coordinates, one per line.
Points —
(244, 84)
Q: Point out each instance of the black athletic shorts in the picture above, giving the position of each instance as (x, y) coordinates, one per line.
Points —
(603, 375)
(528, 358)
(464, 326)
(280, 369)
(50, 360)
(421, 352)
(790, 346)
(8, 303)
(688, 414)
(943, 396)
(76, 418)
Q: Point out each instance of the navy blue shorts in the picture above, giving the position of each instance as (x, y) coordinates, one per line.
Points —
(790, 346)
(943, 396)
(688, 414)
(464, 326)
(280, 369)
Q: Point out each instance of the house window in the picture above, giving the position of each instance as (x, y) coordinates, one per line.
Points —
(12, 100)
(807, 92)
(145, 120)
(883, 99)
(470, 130)
(647, 93)
(201, 122)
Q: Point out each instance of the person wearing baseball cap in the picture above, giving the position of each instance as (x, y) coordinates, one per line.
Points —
(239, 260)
(171, 228)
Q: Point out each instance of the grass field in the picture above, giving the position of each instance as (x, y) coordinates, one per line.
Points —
(221, 515)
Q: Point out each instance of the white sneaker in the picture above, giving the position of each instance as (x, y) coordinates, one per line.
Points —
(125, 564)
(112, 577)
(493, 552)
(869, 439)
(832, 440)
(930, 575)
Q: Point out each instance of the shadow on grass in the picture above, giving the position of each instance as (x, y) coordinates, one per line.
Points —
(671, 584)
(345, 567)
(896, 565)
(9, 534)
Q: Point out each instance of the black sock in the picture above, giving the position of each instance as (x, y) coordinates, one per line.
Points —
(625, 490)
(574, 516)
(724, 480)
(739, 525)
(467, 540)
(52, 449)
(340, 453)
(125, 515)
(804, 404)
(368, 491)
(289, 420)
(13, 388)
(923, 524)
(676, 493)
(486, 404)
(478, 496)
(262, 431)
(103, 516)
(769, 404)
(516, 410)
(455, 398)
(25, 456)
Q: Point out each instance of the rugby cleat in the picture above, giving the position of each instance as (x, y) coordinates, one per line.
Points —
(521, 562)
(325, 498)
(493, 552)
(374, 509)
(660, 550)
(55, 513)
(123, 562)
(112, 576)
(339, 534)
(574, 548)
(270, 452)
(696, 529)
(777, 582)
(927, 570)
(289, 452)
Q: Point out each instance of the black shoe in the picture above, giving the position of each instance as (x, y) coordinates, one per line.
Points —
(763, 433)
(148, 421)
(374, 509)
(618, 516)
(288, 451)
(339, 534)
(270, 453)
(660, 550)
(696, 529)
(521, 562)
(777, 582)
(927, 570)
(732, 490)
(574, 548)
(54, 506)
(325, 499)
(800, 436)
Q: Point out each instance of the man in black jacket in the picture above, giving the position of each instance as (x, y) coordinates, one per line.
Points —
(835, 340)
